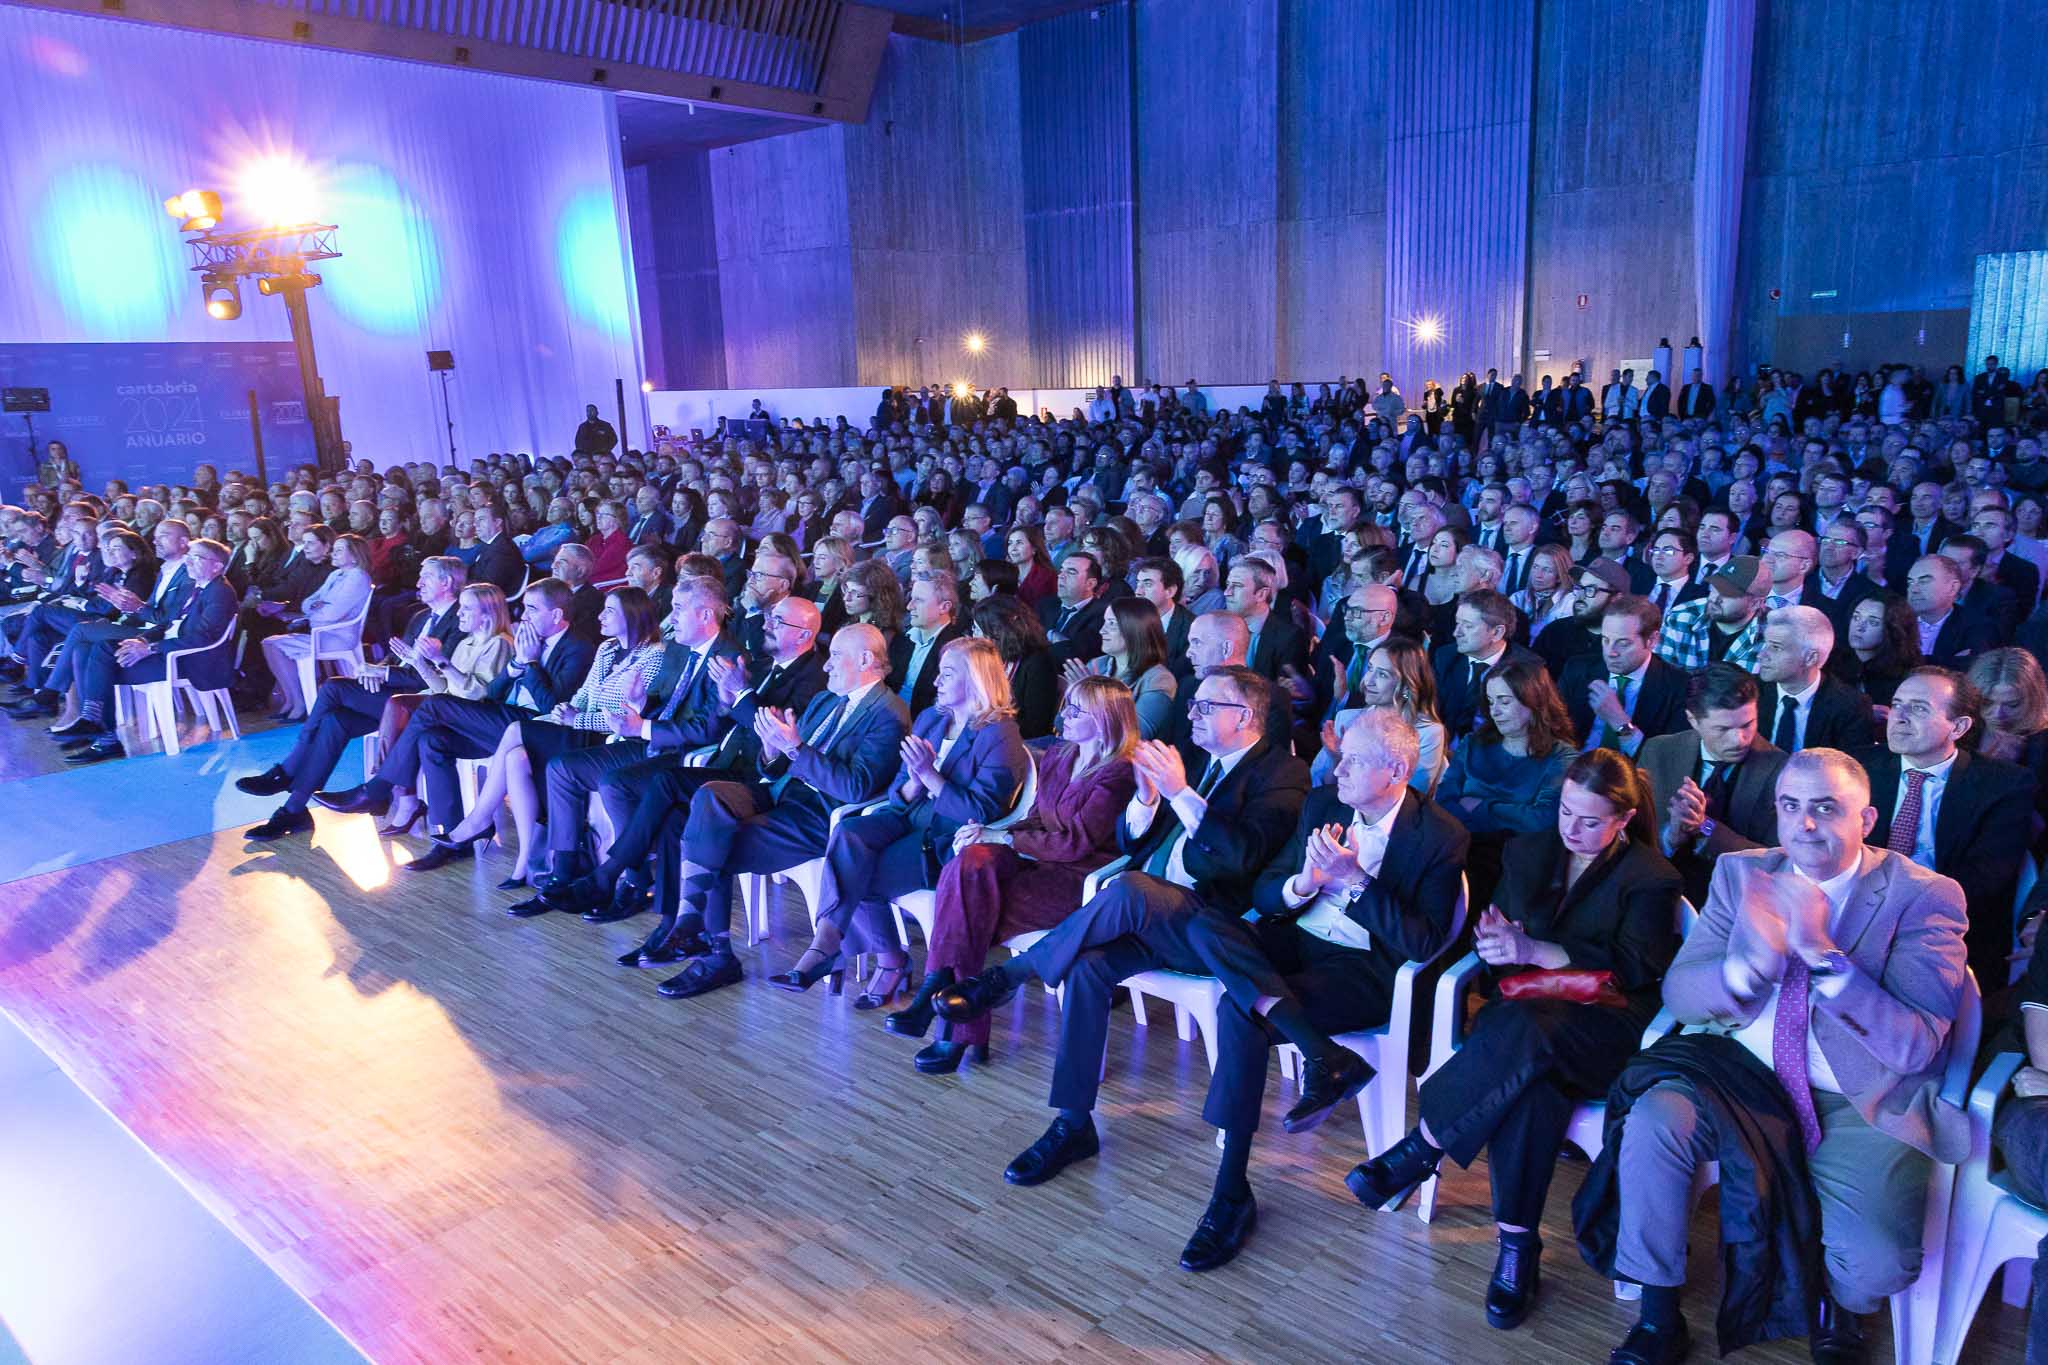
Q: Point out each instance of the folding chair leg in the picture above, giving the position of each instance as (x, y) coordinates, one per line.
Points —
(163, 711)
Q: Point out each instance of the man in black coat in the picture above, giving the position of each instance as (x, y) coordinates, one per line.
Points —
(929, 626)
(1801, 706)
(1953, 812)
(1950, 634)
(1713, 784)
(1072, 617)
(1483, 624)
(1624, 694)
(1198, 841)
(497, 558)
(349, 708)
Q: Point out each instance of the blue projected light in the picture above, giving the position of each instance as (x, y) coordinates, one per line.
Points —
(592, 266)
(389, 273)
(104, 246)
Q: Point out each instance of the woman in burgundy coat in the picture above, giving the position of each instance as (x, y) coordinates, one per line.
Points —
(1007, 882)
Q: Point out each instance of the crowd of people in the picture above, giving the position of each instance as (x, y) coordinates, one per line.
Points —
(1326, 675)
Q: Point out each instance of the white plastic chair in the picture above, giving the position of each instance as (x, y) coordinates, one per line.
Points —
(1989, 1226)
(922, 905)
(158, 710)
(339, 643)
(807, 877)
(1383, 1104)
(1447, 1034)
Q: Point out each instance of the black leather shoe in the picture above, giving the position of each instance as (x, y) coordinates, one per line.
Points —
(530, 908)
(269, 782)
(915, 1020)
(77, 742)
(284, 820)
(1647, 1345)
(977, 995)
(573, 895)
(440, 855)
(36, 704)
(1837, 1337)
(943, 1057)
(703, 976)
(354, 801)
(1325, 1084)
(1388, 1179)
(1517, 1273)
(1225, 1227)
(628, 899)
(99, 751)
(79, 728)
(1059, 1147)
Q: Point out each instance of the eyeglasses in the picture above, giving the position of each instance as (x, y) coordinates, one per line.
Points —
(784, 623)
(764, 575)
(1202, 706)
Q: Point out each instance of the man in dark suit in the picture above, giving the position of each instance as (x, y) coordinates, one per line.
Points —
(1996, 527)
(685, 711)
(548, 664)
(651, 525)
(1950, 634)
(1625, 694)
(1342, 509)
(497, 558)
(1480, 633)
(843, 749)
(1983, 595)
(346, 709)
(1696, 400)
(1951, 811)
(1801, 706)
(1195, 840)
(1252, 591)
(1929, 530)
(1568, 637)
(930, 625)
(1713, 783)
(1073, 615)
(1835, 585)
(1159, 581)
(878, 504)
(207, 615)
(1656, 397)
(572, 565)
(145, 611)
(1673, 553)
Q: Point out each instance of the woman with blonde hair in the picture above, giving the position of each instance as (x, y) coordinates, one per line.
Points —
(1398, 676)
(2015, 717)
(480, 656)
(964, 763)
(1548, 594)
(1001, 883)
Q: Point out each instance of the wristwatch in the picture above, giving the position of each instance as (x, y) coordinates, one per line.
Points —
(1833, 962)
(1707, 827)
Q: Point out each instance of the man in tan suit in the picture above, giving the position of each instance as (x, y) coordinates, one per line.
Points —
(1867, 946)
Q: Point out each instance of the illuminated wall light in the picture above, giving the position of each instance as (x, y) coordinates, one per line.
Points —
(1427, 330)
(589, 261)
(97, 212)
(976, 343)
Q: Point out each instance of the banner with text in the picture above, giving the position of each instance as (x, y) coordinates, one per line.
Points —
(148, 412)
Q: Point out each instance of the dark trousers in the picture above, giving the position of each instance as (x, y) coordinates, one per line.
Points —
(1525, 1065)
(2021, 1136)
(1339, 989)
(99, 672)
(342, 711)
(442, 730)
(77, 642)
(642, 799)
(871, 859)
(42, 630)
(737, 827)
(569, 782)
(1135, 924)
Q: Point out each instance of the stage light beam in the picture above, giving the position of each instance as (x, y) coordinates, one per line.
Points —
(278, 191)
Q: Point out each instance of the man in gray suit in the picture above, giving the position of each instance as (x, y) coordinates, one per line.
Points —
(1867, 947)
(1714, 782)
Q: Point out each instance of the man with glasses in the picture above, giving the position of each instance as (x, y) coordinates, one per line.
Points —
(1672, 555)
(1836, 584)
(1788, 557)
(1198, 838)
(769, 581)
(899, 541)
(640, 784)
(1568, 637)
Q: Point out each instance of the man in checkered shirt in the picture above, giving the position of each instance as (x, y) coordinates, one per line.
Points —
(1727, 625)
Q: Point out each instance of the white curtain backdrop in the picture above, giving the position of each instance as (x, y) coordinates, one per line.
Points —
(478, 214)
(1718, 168)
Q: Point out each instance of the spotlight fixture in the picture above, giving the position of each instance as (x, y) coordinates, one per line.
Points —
(195, 210)
(1427, 330)
(270, 285)
(223, 297)
(647, 386)
(960, 388)
(976, 343)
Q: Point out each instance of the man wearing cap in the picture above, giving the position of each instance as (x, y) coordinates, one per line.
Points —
(1726, 625)
(1569, 637)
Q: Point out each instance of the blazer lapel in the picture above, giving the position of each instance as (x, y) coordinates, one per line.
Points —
(1866, 898)
(1954, 815)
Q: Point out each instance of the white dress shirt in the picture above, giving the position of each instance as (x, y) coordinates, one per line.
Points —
(1325, 917)
(1756, 1034)
(1190, 806)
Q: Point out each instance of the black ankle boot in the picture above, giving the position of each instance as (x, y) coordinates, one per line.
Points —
(1517, 1271)
(1389, 1178)
(915, 1020)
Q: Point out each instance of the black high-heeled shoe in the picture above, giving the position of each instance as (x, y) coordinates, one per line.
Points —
(872, 999)
(943, 1057)
(915, 1021)
(802, 979)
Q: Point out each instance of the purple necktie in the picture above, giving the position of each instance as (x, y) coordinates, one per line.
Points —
(1788, 1048)
(1905, 831)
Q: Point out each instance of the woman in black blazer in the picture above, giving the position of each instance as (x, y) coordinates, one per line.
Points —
(1592, 895)
(1020, 638)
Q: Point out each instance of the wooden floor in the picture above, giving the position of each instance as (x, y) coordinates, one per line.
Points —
(463, 1136)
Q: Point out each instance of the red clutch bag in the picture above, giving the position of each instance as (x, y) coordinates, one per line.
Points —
(1573, 986)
